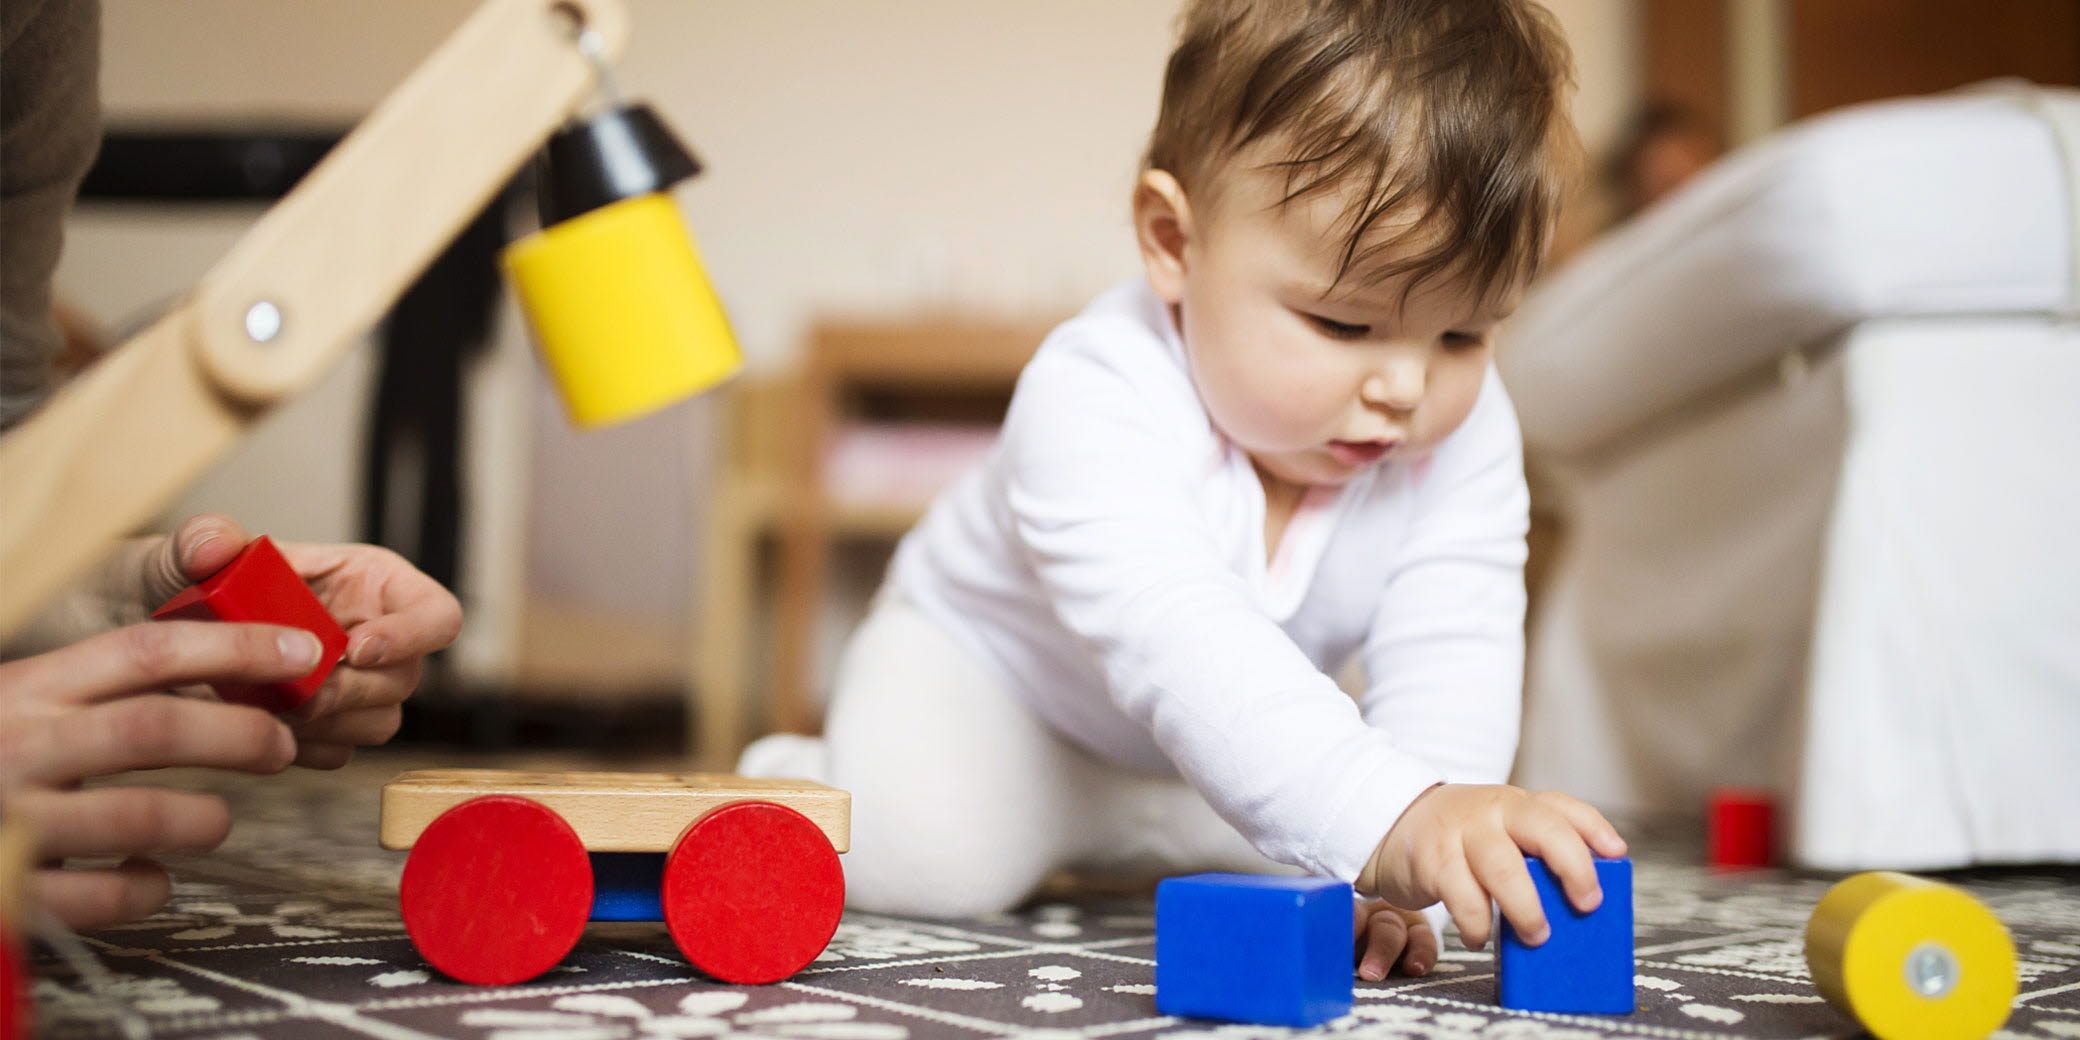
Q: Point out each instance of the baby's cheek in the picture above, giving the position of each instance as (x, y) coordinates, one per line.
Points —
(1264, 413)
(1448, 404)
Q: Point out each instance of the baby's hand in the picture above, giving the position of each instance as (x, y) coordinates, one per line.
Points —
(1385, 936)
(1465, 844)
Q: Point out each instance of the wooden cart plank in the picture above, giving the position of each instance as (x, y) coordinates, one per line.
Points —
(612, 812)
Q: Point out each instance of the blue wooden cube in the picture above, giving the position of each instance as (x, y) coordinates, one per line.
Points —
(1585, 966)
(1245, 948)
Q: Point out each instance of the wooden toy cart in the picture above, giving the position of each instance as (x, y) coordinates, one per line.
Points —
(507, 867)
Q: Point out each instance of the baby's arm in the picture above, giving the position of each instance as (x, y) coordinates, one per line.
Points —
(1444, 658)
(1444, 663)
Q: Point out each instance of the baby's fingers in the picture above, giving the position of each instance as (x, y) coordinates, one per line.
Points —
(1467, 902)
(1543, 832)
(1421, 952)
(1587, 822)
(1382, 938)
(1499, 867)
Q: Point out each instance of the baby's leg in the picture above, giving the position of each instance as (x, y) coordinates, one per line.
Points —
(961, 799)
(1147, 826)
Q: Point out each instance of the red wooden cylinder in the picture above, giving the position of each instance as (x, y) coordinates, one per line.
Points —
(1741, 828)
(496, 891)
(753, 892)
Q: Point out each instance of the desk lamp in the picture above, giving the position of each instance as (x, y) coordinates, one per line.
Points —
(612, 285)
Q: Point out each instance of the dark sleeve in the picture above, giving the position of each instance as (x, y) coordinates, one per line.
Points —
(50, 125)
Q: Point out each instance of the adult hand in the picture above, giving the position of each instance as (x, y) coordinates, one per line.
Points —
(94, 709)
(393, 613)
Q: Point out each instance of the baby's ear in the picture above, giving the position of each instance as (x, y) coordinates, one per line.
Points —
(1162, 226)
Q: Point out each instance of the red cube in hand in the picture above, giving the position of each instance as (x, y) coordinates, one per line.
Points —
(258, 585)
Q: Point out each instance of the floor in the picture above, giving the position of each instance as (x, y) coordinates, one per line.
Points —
(291, 931)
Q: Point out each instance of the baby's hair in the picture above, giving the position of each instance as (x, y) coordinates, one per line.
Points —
(1447, 115)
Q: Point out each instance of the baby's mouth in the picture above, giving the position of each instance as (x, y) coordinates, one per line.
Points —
(1360, 453)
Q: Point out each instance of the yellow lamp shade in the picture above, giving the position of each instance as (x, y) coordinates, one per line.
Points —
(623, 310)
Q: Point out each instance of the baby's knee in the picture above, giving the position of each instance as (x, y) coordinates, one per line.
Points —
(929, 850)
(923, 881)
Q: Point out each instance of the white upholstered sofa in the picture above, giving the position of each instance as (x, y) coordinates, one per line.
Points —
(1815, 425)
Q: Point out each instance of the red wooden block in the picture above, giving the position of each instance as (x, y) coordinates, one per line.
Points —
(14, 990)
(752, 892)
(496, 891)
(1741, 828)
(259, 585)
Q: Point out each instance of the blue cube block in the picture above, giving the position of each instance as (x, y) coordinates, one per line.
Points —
(1585, 966)
(1244, 948)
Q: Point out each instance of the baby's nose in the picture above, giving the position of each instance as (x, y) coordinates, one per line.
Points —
(1396, 386)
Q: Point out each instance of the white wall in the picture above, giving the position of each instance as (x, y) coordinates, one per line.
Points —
(863, 157)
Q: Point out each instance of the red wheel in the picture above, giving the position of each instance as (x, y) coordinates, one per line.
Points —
(752, 892)
(496, 891)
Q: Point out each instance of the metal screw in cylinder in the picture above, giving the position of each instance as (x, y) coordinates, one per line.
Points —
(1931, 970)
(263, 321)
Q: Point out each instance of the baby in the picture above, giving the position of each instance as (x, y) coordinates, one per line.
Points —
(1112, 644)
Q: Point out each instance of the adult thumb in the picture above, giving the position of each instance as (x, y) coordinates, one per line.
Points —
(198, 548)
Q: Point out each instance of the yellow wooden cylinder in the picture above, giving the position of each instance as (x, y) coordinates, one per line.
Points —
(623, 310)
(1911, 959)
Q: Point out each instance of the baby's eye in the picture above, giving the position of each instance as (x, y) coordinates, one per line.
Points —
(1462, 340)
(1339, 330)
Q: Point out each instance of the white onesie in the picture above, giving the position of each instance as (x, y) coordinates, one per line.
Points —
(1106, 567)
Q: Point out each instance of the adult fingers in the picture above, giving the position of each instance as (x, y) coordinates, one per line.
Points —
(1590, 824)
(429, 620)
(1544, 833)
(1386, 936)
(89, 899)
(198, 548)
(353, 689)
(323, 756)
(362, 727)
(121, 821)
(422, 617)
(1499, 866)
(157, 731)
(163, 654)
(392, 610)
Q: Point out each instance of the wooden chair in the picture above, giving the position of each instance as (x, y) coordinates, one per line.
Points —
(775, 489)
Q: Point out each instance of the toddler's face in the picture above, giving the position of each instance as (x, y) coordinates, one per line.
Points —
(1315, 388)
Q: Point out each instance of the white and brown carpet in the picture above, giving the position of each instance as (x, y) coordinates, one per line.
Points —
(291, 931)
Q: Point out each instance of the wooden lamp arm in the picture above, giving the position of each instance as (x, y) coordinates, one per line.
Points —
(269, 320)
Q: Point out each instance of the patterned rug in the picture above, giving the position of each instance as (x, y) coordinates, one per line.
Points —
(291, 931)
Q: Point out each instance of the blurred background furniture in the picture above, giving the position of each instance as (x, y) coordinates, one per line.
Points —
(1811, 421)
(848, 450)
(584, 560)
